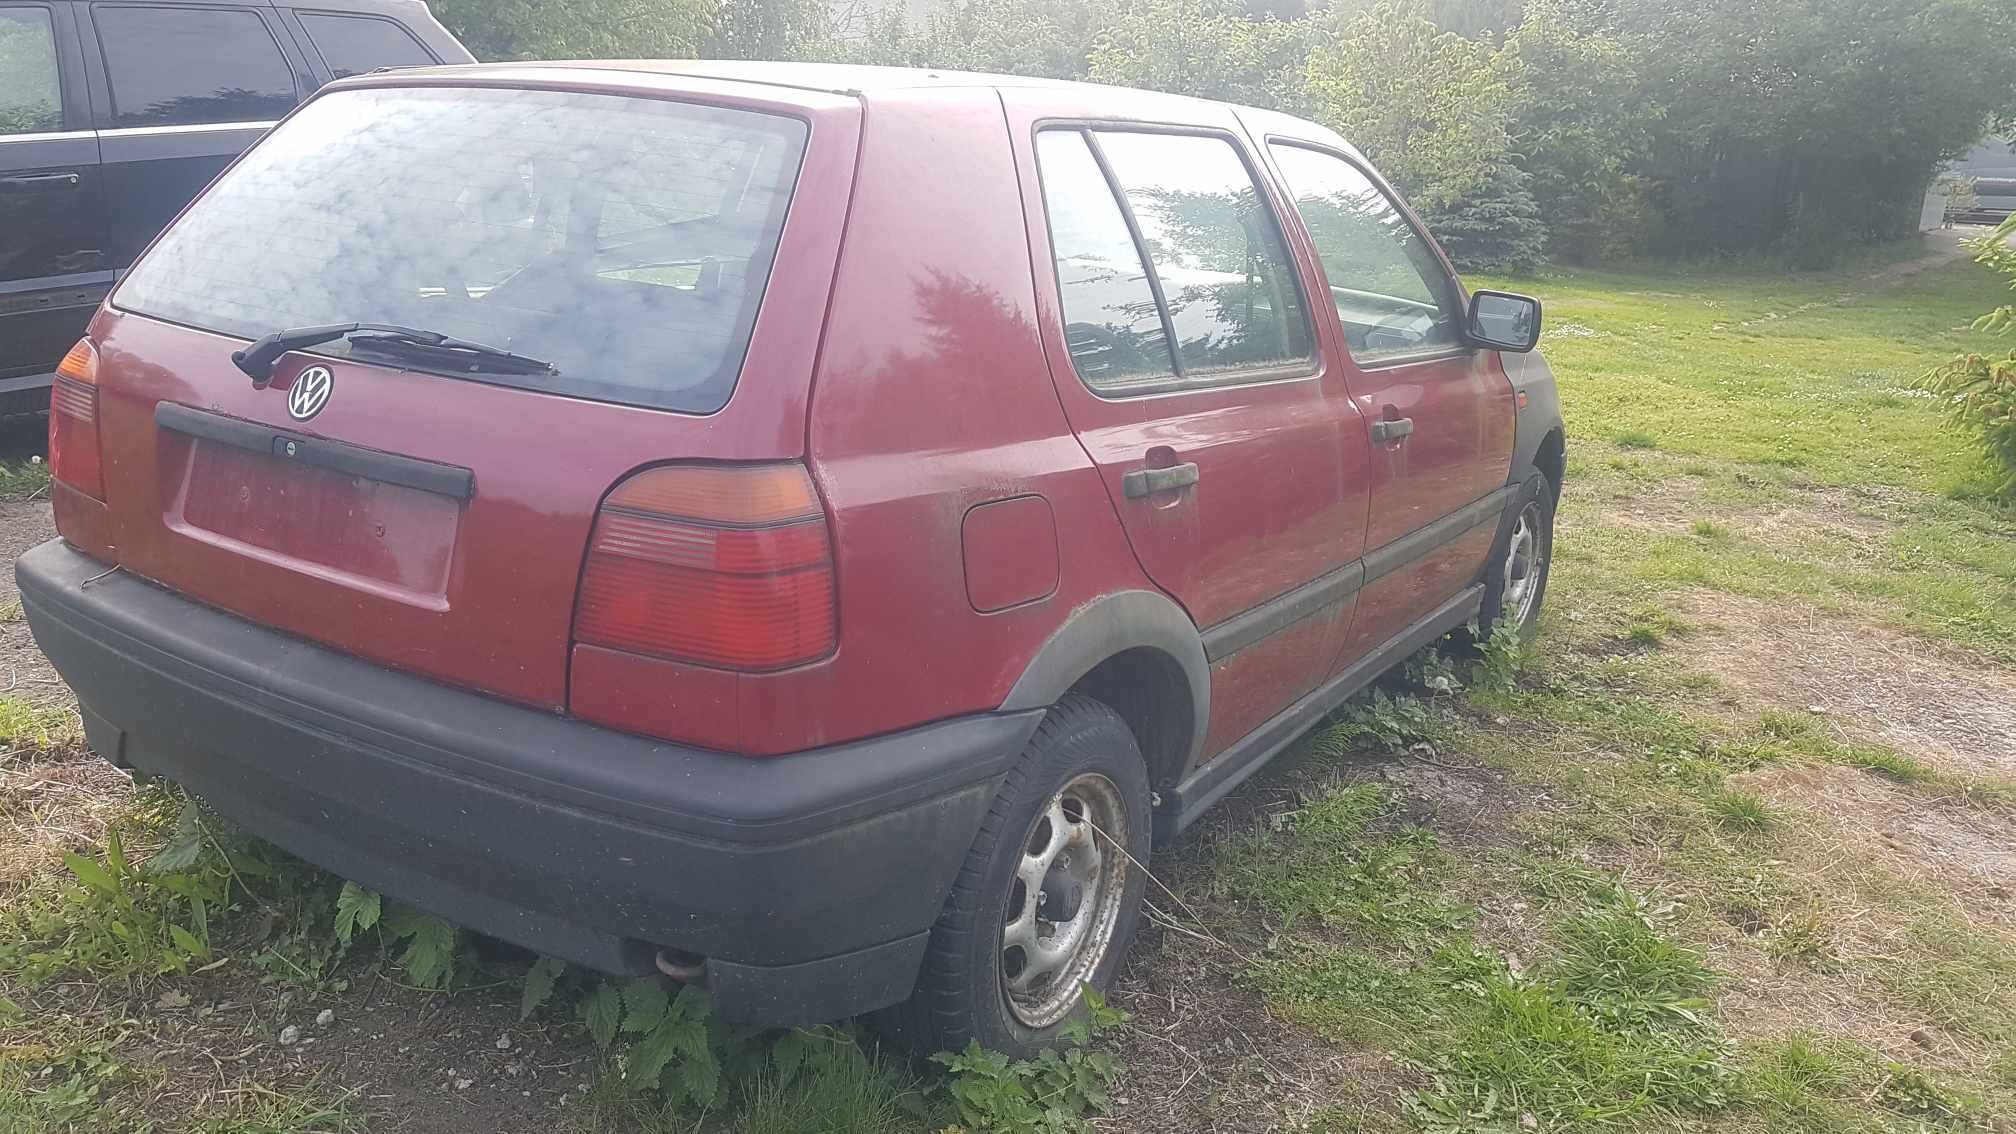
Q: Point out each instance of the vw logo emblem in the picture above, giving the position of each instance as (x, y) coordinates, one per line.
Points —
(310, 392)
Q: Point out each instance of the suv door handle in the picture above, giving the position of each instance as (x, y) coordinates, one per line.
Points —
(1146, 482)
(34, 181)
(1391, 429)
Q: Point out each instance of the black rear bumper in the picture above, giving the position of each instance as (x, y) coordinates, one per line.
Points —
(807, 881)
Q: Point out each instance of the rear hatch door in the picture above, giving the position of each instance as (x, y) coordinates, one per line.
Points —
(665, 244)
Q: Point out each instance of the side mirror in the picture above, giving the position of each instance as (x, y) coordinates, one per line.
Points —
(1503, 320)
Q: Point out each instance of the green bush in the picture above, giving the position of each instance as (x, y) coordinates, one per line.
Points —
(1496, 227)
(1980, 389)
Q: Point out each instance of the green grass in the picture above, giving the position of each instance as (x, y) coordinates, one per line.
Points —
(1782, 412)
(29, 725)
(23, 480)
(1698, 408)
(1612, 1029)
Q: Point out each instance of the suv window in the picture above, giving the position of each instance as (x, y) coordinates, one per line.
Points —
(625, 240)
(1391, 291)
(176, 66)
(31, 102)
(354, 45)
(1112, 323)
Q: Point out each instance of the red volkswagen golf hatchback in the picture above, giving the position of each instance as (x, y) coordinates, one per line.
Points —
(805, 529)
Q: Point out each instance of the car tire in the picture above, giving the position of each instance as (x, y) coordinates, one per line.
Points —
(986, 974)
(1515, 581)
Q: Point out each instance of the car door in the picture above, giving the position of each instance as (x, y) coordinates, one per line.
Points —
(51, 260)
(1181, 346)
(1437, 412)
(188, 87)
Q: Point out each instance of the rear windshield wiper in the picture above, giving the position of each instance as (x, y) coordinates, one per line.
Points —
(257, 360)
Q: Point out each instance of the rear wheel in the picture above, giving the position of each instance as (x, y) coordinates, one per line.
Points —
(1515, 583)
(1048, 897)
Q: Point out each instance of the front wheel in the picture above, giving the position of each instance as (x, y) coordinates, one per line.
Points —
(1048, 897)
(1515, 582)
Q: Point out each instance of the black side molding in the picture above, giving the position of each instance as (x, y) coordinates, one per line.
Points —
(451, 481)
(1226, 638)
(1242, 630)
(1182, 804)
(1390, 557)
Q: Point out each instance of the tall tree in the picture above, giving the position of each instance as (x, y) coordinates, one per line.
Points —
(1433, 110)
(1583, 123)
(1208, 48)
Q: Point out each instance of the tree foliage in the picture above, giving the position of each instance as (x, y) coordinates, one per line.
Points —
(1680, 127)
(1980, 389)
(1431, 109)
(1207, 48)
(1495, 227)
(768, 29)
(579, 29)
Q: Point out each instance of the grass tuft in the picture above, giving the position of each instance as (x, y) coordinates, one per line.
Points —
(1741, 810)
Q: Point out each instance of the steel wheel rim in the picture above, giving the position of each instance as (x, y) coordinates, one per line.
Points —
(1523, 566)
(1075, 841)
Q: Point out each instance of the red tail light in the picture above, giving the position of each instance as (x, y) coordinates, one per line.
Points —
(720, 565)
(74, 456)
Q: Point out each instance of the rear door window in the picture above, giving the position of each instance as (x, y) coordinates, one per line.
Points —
(627, 241)
(1392, 294)
(1227, 281)
(31, 99)
(1112, 324)
(357, 45)
(183, 66)
(1170, 266)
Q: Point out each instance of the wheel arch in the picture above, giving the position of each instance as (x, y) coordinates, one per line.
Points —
(1138, 653)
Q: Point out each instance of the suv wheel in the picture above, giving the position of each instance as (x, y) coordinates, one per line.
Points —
(1049, 894)
(1516, 581)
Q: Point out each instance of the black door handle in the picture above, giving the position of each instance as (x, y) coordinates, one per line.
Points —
(1391, 428)
(32, 182)
(1145, 482)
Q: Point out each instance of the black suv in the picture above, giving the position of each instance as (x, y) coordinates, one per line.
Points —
(114, 114)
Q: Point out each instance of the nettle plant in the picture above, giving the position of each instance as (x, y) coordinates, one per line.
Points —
(1980, 389)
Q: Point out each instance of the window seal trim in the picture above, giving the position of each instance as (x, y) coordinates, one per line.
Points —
(1133, 224)
(181, 128)
(1304, 369)
(1372, 177)
(48, 136)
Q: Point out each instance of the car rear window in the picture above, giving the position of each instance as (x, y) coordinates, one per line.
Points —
(625, 240)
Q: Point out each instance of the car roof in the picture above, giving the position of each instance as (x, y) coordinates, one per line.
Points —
(837, 78)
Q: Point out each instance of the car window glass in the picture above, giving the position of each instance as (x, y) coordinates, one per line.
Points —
(174, 66)
(354, 45)
(1111, 324)
(625, 240)
(31, 102)
(1389, 287)
(1225, 273)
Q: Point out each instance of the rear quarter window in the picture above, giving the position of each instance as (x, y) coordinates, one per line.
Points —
(625, 240)
(357, 45)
